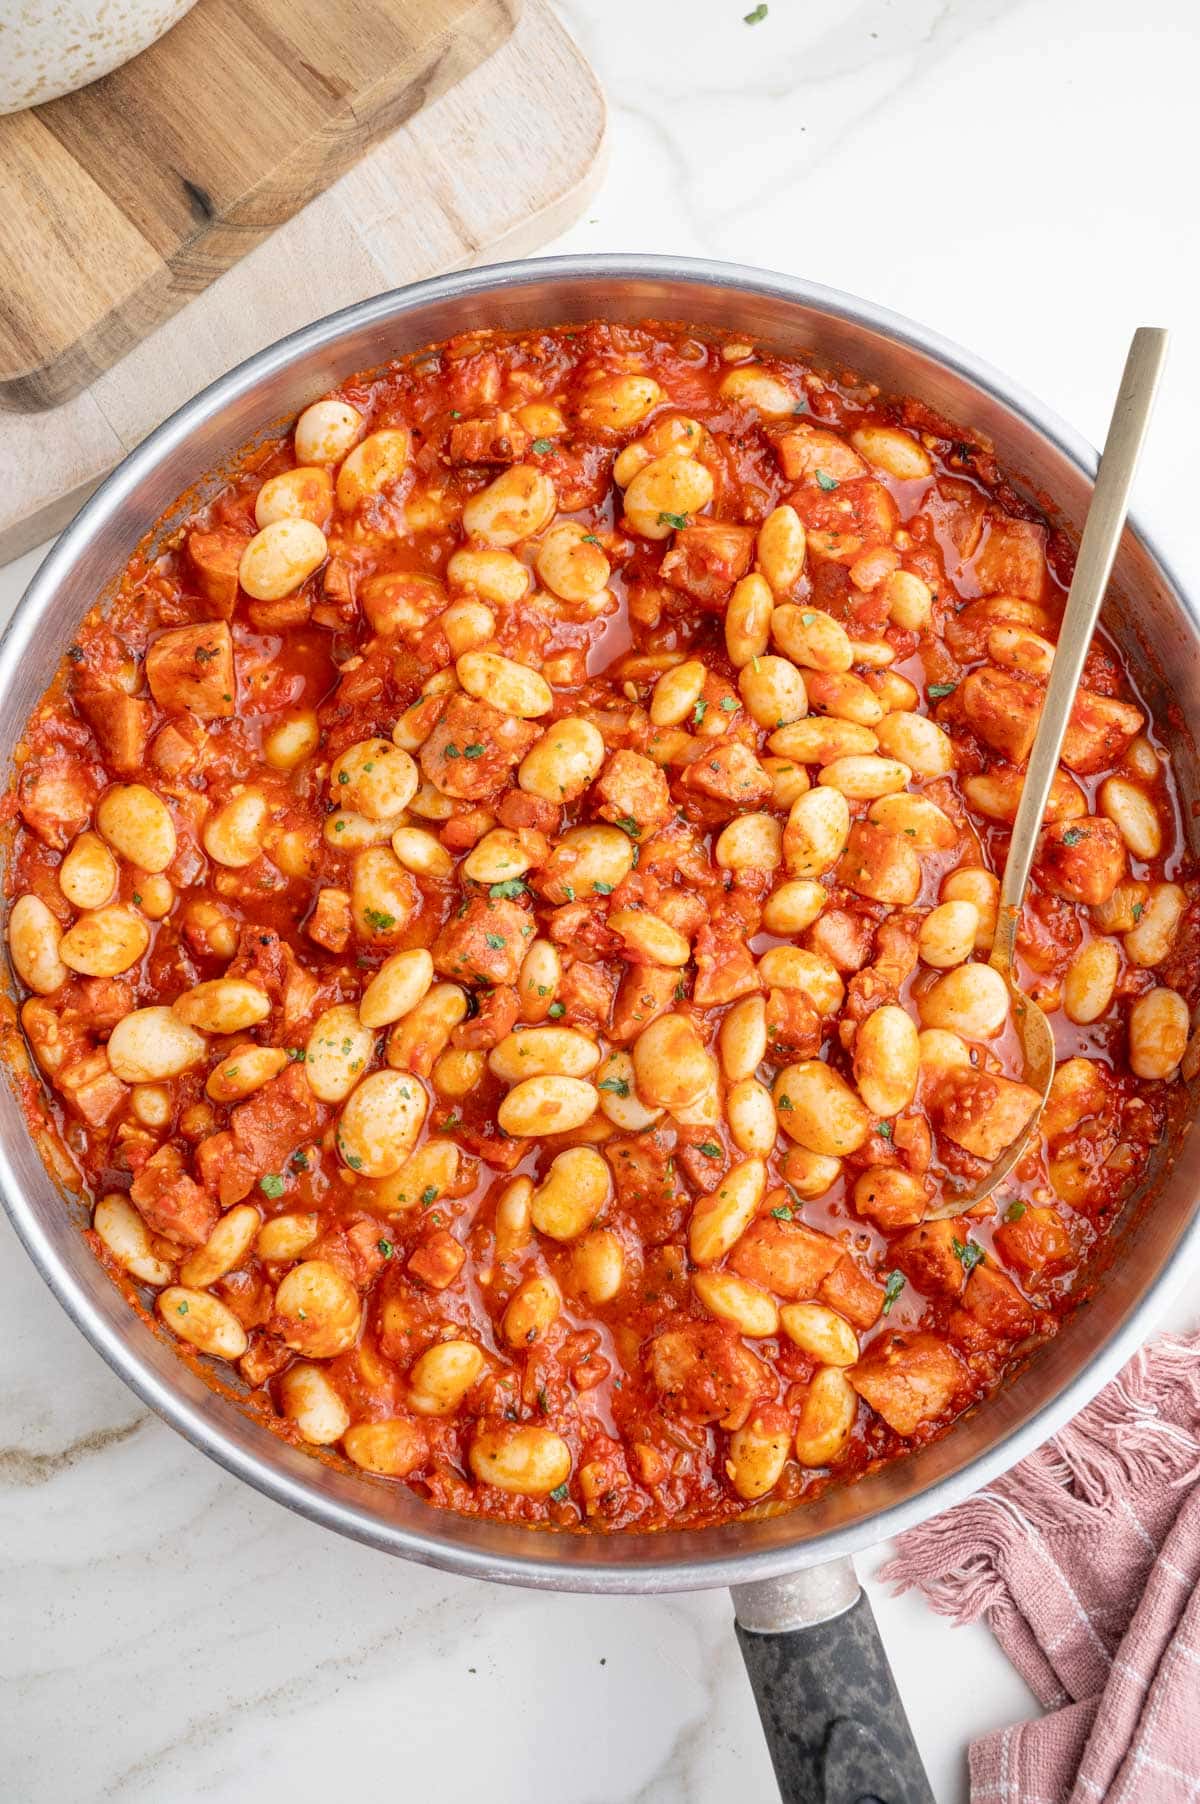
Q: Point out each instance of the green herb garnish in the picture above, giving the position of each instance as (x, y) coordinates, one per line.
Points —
(891, 1290)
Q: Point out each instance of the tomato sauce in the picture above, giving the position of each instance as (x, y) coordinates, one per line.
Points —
(332, 700)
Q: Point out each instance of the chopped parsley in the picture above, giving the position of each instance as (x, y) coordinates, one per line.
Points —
(496, 941)
(968, 1254)
(504, 892)
(808, 620)
(557, 1010)
(600, 888)
(183, 1308)
(429, 1195)
(297, 1054)
(710, 1149)
(617, 1085)
(1137, 910)
(589, 538)
(385, 1247)
(376, 918)
(891, 1290)
(542, 445)
(1073, 835)
(937, 690)
(786, 1104)
(205, 653)
(272, 1184)
(783, 1213)
(884, 1128)
(343, 776)
(452, 751)
(698, 713)
(678, 521)
(757, 16)
(627, 824)
(728, 704)
(474, 751)
(560, 1493)
(826, 482)
(1015, 1210)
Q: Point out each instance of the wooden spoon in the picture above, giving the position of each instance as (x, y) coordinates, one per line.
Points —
(1097, 550)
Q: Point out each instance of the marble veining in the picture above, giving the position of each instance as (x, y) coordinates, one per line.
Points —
(1017, 175)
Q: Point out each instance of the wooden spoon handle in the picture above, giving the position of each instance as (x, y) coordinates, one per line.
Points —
(1093, 567)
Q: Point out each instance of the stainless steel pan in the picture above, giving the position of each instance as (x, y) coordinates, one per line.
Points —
(824, 1690)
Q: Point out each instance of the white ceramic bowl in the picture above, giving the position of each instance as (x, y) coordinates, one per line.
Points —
(51, 47)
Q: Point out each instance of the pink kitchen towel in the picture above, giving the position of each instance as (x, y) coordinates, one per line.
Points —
(1084, 1560)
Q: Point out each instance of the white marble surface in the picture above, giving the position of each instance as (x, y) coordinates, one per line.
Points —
(169, 1637)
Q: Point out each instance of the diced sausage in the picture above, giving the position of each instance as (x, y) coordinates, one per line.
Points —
(214, 557)
(473, 747)
(486, 943)
(785, 1257)
(632, 788)
(122, 726)
(706, 1372)
(190, 670)
(910, 1380)
(171, 1203)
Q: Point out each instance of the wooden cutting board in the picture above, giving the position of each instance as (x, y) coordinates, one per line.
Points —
(123, 200)
(499, 165)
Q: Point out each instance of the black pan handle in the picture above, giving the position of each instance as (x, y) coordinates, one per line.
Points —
(835, 1726)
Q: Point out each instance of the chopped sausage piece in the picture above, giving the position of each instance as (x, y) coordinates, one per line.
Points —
(263, 1133)
(498, 1013)
(643, 994)
(911, 1380)
(706, 558)
(171, 1203)
(1012, 557)
(725, 967)
(1099, 732)
(1081, 860)
(586, 993)
(524, 812)
(1033, 1240)
(1002, 709)
(931, 1257)
(846, 520)
(785, 1257)
(806, 450)
(500, 440)
(848, 1290)
(486, 943)
(632, 788)
(473, 747)
(56, 796)
(992, 1311)
(731, 774)
(330, 923)
(122, 726)
(190, 670)
(982, 1111)
(215, 557)
(178, 746)
(92, 1088)
(706, 1372)
(438, 1259)
(793, 1025)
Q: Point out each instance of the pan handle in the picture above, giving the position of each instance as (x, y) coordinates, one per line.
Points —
(834, 1723)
